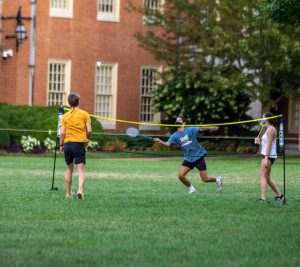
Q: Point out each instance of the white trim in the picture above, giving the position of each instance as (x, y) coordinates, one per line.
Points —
(149, 20)
(157, 115)
(67, 78)
(109, 16)
(61, 12)
(108, 124)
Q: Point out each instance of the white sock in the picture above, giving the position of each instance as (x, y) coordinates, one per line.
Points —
(191, 187)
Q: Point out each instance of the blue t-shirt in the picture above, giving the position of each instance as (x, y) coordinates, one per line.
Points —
(187, 140)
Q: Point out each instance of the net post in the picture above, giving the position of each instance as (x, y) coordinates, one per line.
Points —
(281, 151)
(60, 114)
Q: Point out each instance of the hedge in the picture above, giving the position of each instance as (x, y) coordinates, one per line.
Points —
(33, 118)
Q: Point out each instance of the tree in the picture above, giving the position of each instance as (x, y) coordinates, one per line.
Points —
(274, 55)
(224, 45)
(201, 69)
(202, 102)
(285, 12)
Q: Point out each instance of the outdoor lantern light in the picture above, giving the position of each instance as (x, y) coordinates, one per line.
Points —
(20, 33)
(20, 30)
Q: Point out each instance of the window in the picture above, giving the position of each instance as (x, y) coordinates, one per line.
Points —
(61, 8)
(153, 4)
(108, 10)
(294, 116)
(59, 73)
(148, 84)
(151, 7)
(106, 88)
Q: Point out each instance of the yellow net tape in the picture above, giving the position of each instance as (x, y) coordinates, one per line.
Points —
(174, 125)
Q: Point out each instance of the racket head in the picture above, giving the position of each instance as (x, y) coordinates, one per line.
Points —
(132, 132)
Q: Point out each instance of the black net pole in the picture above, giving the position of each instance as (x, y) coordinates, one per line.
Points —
(281, 151)
(53, 188)
(60, 114)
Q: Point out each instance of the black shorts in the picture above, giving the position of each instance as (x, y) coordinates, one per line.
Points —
(270, 159)
(74, 153)
(199, 164)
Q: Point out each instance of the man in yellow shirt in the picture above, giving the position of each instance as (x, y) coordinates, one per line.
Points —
(74, 135)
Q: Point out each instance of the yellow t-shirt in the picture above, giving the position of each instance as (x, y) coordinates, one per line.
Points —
(75, 122)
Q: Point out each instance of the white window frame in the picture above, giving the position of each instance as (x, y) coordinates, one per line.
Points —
(156, 115)
(148, 20)
(107, 124)
(292, 129)
(67, 78)
(62, 12)
(113, 16)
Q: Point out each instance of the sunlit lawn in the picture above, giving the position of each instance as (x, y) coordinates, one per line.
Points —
(137, 213)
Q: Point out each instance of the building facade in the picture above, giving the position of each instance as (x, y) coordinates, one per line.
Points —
(88, 46)
(82, 46)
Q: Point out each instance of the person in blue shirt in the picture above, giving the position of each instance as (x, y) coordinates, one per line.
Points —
(194, 153)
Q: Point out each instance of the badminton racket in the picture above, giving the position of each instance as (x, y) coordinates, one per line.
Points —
(134, 132)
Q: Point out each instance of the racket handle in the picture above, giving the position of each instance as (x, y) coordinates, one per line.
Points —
(260, 131)
(147, 137)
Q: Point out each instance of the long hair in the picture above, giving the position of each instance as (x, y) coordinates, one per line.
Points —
(271, 121)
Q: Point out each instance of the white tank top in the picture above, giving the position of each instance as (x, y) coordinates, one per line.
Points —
(264, 142)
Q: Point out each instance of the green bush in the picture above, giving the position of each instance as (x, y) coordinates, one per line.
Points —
(4, 136)
(37, 121)
(96, 128)
(4, 139)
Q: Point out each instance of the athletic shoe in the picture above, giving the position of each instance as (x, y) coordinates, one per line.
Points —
(192, 190)
(279, 198)
(80, 195)
(219, 183)
(263, 201)
(68, 196)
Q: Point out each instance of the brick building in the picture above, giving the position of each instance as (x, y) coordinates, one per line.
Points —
(88, 46)
(84, 46)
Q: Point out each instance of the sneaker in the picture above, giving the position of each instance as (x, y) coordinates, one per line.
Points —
(279, 198)
(68, 196)
(219, 183)
(80, 195)
(192, 190)
(263, 201)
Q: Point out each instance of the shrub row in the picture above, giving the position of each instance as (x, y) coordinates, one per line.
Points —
(26, 120)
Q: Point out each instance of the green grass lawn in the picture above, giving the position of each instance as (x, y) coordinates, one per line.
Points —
(137, 213)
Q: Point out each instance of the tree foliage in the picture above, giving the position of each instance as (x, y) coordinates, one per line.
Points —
(285, 12)
(224, 46)
(213, 101)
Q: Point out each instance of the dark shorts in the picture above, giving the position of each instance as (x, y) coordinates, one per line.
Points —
(74, 153)
(270, 159)
(199, 164)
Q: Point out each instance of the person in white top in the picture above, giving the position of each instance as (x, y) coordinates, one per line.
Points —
(269, 154)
